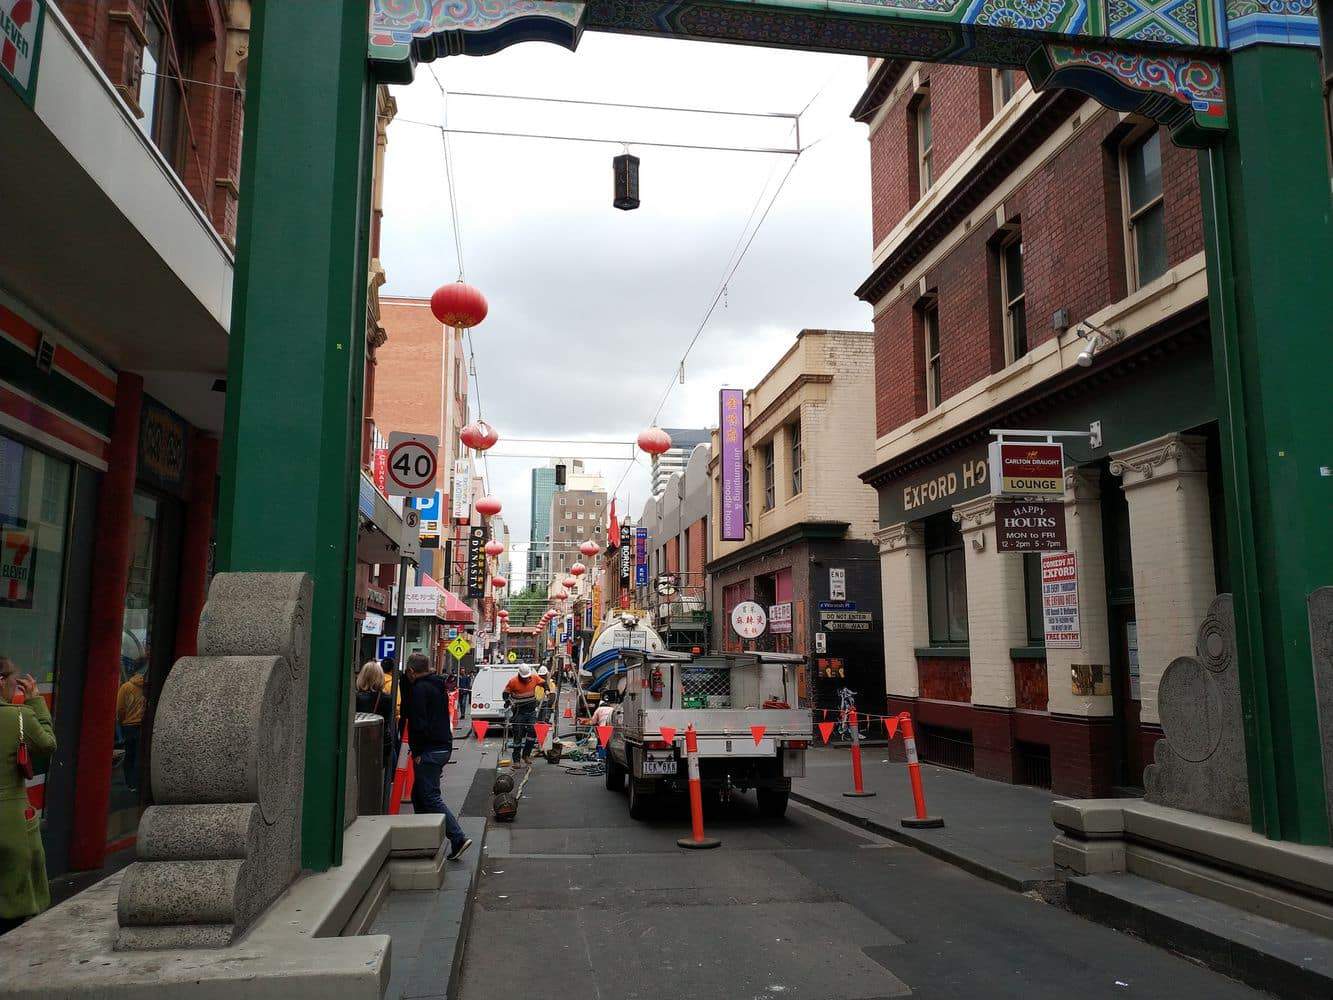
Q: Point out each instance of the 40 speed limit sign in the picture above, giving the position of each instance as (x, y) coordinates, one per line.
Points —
(412, 467)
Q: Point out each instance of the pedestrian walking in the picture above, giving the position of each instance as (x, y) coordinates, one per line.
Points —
(25, 733)
(431, 740)
(521, 695)
(373, 699)
(131, 704)
(465, 695)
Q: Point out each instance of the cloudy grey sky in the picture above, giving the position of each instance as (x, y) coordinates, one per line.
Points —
(591, 307)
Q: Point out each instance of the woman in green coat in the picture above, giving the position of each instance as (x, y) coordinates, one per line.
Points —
(23, 889)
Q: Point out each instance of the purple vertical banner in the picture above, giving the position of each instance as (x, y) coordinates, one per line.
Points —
(640, 557)
(732, 431)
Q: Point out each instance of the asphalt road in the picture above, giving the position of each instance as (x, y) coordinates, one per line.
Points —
(576, 900)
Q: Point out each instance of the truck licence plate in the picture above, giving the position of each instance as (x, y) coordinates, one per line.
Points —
(667, 766)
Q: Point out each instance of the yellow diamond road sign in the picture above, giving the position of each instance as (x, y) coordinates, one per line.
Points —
(459, 648)
(512, 657)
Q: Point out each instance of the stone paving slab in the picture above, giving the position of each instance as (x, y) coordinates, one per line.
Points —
(994, 830)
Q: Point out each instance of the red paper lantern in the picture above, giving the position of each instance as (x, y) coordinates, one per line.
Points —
(562, 595)
(494, 548)
(654, 440)
(590, 548)
(570, 582)
(488, 505)
(499, 582)
(578, 569)
(458, 305)
(479, 436)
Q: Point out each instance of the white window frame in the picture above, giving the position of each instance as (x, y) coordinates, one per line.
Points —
(1128, 213)
(1008, 302)
(930, 316)
(925, 155)
(998, 99)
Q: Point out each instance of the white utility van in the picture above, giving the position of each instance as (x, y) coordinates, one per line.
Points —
(488, 686)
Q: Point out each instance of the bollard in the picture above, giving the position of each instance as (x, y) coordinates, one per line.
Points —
(921, 820)
(697, 841)
(858, 787)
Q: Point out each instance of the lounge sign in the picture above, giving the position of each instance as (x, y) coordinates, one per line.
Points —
(1030, 526)
(1028, 469)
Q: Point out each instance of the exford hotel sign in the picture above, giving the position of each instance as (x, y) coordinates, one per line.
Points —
(20, 43)
(935, 488)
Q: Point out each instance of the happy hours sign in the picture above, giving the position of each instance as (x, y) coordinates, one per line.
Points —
(1030, 526)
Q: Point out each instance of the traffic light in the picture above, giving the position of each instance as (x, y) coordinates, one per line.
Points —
(560, 475)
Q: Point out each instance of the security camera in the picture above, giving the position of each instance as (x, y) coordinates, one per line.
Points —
(1084, 359)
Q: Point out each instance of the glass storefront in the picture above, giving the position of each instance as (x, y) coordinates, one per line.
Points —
(34, 522)
(136, 652)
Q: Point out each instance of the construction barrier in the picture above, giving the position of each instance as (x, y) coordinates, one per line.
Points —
(921, 820)
(696, 841)
(858, 785)
(402, 775)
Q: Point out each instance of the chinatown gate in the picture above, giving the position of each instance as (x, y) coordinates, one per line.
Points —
(1237, 79)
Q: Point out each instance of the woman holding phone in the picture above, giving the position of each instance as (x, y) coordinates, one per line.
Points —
(25, 733)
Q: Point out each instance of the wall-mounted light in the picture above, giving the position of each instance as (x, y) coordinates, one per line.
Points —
(1098, 339)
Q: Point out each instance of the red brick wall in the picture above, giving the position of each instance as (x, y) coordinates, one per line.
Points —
(891, 155)
(957, 97)
(945, 679)
(1031, 685)
(1073, 258)
(211, 123)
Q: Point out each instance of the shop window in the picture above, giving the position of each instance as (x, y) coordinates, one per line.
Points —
(1013, 297)
(1032, 598)
(946, 581)
(930, 334)
(34, 515)
(767, 453)
(1004, 84)
(1145, 215)
(794, 436)
(925, 143)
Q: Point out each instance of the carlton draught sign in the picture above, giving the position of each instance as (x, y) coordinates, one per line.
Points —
(1028, 469)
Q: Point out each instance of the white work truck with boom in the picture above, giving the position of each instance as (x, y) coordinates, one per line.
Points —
(723, 696)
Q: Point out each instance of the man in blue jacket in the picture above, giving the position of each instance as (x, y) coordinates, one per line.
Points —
(431, 740)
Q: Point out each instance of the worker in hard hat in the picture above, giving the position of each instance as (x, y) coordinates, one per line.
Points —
(545, 695)
(521, 696)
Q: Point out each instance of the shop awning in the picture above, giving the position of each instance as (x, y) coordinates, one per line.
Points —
(456, 611)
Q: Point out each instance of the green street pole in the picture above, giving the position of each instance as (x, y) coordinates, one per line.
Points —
(1268, 229)
(293, 422)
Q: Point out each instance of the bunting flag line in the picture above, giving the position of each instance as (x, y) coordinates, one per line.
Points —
(668, 733)
(480, 727)
(543, 730)
(758, 733)
(569, 713)
(603, 734)
(826, 730)
(891, 726)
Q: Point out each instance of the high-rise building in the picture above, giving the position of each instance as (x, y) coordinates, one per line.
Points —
(683, 441)
(576, 515)
(544, 487)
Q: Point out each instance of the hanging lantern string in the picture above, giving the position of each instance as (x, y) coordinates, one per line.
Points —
(449, 174)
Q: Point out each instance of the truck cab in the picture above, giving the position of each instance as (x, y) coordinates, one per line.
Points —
(723, 696)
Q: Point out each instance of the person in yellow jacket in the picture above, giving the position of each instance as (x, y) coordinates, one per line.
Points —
(24, 891)
(131, 704)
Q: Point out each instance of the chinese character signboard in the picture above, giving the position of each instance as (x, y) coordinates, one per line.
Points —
(1059, 600)
(731, 430)
(1028, 469)
(21, 24)
(476, 561)
(748, 620)
(640, 557)
(626, 554)
(1030, 526)
(779, 619)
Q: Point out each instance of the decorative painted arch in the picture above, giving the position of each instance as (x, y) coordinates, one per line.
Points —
(1160, 58)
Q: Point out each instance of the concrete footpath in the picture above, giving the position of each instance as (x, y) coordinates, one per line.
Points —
(428, 929)
(999, 832)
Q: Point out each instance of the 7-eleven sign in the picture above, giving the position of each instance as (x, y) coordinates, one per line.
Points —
(16, 559)
(20, 41)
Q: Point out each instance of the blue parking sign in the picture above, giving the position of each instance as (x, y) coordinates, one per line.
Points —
(430, 507)
(386, 646)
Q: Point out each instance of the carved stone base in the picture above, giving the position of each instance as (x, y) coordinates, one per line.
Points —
(224, 837)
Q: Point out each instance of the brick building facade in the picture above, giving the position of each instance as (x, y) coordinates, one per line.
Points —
(1037, 264)
(808, 520)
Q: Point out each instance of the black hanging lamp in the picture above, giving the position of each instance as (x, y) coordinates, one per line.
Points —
(626, 169)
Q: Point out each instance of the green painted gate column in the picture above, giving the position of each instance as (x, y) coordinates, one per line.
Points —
(293, 425)
(1268, 218)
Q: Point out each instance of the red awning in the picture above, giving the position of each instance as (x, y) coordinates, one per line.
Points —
(456, 611)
